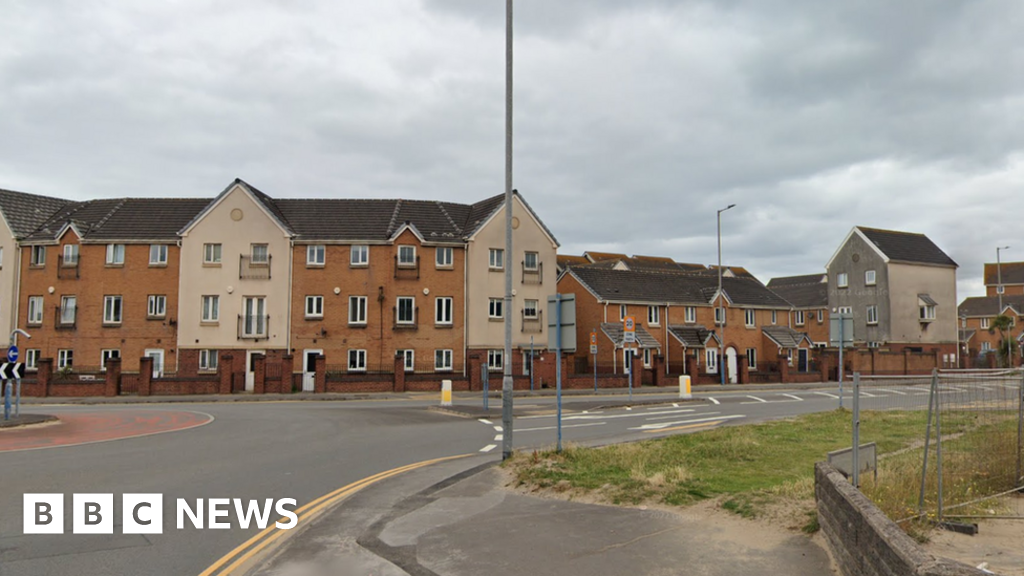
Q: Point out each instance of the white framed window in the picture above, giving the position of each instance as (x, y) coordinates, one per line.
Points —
(208, 360)
(68, 309)
(405, 310)
(70, 254)
(711, 360)
(158, 254)
(495, 360)
(32, 359)
(212, 253)
(648, 357)
(530, 309)
(872, 314)
(35, 310)
(407, 256)
(653, 315)
(1000, 289)
(799, 317)
(842, 280)
(259, 253)
(1, 256)
(65, 358)
(115, 254)
(690, 314)
(357, 360)
(495, 308)
(443, 360)
(357, 309)
(157, 306)
(38, 256)
(444, 257)
(108, 355)
(846, 310)
(985, 323)
(719, 315)
(750, 317)
(775, 317)
(986, 346)
(869, 278)
(408, 359)
(821, 316)
(316, 255)
(211, 309)
(496, 259)
(314, 306)
(752, 358)
(112, 309)
(531, 261)
(927, 312)
(359, 255)
(254, 310)
(443, 310)
(622, 312)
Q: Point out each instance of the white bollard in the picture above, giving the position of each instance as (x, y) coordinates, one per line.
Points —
(446, 392)
(684, 388)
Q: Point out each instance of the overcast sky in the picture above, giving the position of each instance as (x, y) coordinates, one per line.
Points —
(634, 121)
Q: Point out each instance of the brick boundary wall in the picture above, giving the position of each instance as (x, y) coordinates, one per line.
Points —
(864, 541)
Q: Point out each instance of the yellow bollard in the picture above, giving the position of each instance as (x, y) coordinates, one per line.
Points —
(446, 392)
(684, 388)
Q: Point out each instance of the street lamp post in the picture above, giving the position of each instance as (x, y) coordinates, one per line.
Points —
(506, 381)
(999, 277)
(721, 345)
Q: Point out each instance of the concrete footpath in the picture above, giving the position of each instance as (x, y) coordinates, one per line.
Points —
(456, 519)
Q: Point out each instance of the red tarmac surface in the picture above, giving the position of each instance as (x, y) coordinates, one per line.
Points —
(100, 426)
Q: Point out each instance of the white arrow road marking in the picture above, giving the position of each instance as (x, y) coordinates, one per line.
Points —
(638, 415)
(676, 415)
(893, 391)
(868, 394)
(563, 427)
(661, 425)
(489, 447)
(827, 394)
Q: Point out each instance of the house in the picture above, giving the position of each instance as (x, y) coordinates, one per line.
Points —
(1009, 274)
(809, 296)
(978, 335)
(900, 288)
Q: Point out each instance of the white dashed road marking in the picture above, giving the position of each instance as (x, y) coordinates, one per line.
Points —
(485, 421)
(564, 426)
(758, 399)
(713, 401)
(660, 425)
(489, 447)
(794, 397)
(827, 394)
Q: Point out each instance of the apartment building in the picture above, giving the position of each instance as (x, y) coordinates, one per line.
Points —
(900, 288)
(808, 295)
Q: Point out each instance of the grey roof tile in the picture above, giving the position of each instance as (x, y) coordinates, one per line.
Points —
(1011, 272)
(695, 336)
(614, 331)
(658, 287)
(784, 336)
(807, 291)
(123, 219)
(26, 212)
(907, 246)
(989, 305)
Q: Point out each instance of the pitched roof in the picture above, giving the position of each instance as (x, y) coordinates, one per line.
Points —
(989, 305)
(907, 246)
(1012, 273)
(599, 256)
(122, 219)
(26, 212)
(614, 331)
(966, 335)
(657, 288)
(567, 260)
(807, 291)
(784, 336)
(692, 336)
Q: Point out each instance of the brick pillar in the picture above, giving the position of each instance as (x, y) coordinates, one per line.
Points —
(823, 364)
(44, 375)
(225, 370)
(145, 375)
(783, 370)
(475, 384)
(873, 353)
(399, 383)
(991, 359)
(320, 374)
(259, 369)
(113, 366)
(287, 367)
(906, 361)
(743, 368)
(658, 366)
(692, 368)
(638, 371)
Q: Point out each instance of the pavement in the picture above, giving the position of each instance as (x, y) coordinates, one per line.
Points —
(457, 519)
(26, 420)
(96, 426)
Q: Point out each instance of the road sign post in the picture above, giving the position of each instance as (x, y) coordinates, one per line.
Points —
(841, 335)
(593, 352)
(629, 337)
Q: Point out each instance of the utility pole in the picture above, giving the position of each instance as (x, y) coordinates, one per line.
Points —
(999, 279)
(506, 382)
(721, 345)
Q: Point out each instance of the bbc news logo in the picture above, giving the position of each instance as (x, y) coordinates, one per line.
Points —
(144, 513)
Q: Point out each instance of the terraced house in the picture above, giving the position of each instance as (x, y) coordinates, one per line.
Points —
(354, 286)
(809, 296)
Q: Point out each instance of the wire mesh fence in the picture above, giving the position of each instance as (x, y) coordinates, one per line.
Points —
(951, 444)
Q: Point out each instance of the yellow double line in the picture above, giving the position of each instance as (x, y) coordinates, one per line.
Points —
(270, 534)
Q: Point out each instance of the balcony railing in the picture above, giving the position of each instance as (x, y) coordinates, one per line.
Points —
(533, 324)
(533, 275)
(67, 268)
(407, 270)
(60, 323)
(249, 269)
(251, 327)
(414, 325)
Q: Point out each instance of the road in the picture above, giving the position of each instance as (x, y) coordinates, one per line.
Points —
(303, 450)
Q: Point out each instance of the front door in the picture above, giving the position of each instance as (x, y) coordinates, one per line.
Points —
(158, 361)
(730, 357)
(711, 360)
(250, 369)
(309, 369)
(802, 360)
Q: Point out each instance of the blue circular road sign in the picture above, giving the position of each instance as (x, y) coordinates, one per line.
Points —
(12, 354)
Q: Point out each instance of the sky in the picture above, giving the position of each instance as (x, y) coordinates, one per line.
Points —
(634, 122)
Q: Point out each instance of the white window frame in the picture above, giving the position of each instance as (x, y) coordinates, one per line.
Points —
(444, 307)
(536, 261)
(408, 359)
(496, 308)
(871, 314)
(38, 256)
(1000, 289)
(985, 323)
(690, 314)
(316, 255)
(158, 254)
(104, 354)
(495, 360)
(359, 255)
(750, 318)
(821, 316)
(496, 259)
(65, 358)
(406, 256)
(357, 310)
(653, 316)
(775, 317)
(623, 312)
(412, 310)
(115, 254)
(64, 308)
(32, 359)
(213, 253)
(113, 309)
(719, 316)
(357, 360)
(870, 278)
(156, 306)
(71, 254)
(842, 280)
(254, 308)
(259, 254)
(986, 346)
(927, 312)
(209, 360)
(35, 310)
(752, 359)
(648, 358)
(209, 308)
(314, 306)
(445, 357)
(799, 317)
(444, 257)
(531, 309)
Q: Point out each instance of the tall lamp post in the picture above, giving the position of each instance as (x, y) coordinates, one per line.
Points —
(721, 345)
(506, 381)
(999, 277)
